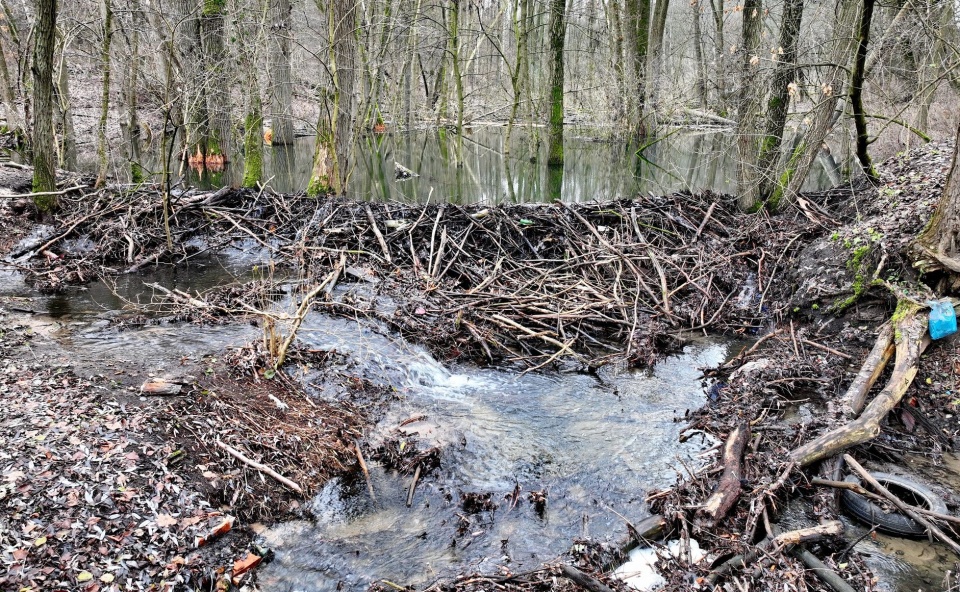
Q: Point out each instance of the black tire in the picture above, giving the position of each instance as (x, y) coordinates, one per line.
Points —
(894, 523)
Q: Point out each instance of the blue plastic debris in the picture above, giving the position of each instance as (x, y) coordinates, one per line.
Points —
(943, 319)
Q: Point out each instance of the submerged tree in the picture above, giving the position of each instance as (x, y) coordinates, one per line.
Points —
(280, 86)
(44, 151)
(335, 127)
(636, 36)
(558, 31)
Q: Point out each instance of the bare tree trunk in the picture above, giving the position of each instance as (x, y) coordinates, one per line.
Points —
(637, 22)
(331, 165)
(778, 103)
(253, 136)
(102, 162)
(411, 66)
(856, 91)
(67, 145)
(280, 85)
(220, 141)
(132, 127)
(194, 97)
(748, 103)
(558, 32)
(517, 77)
(253, 107)
(619, 93)
(842, 52)
(44, 151)
(14, 120)
(457, 75)
(720, 55)
(941, 238)
(698, 55)
(655, 51)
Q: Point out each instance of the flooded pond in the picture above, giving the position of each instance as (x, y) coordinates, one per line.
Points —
(595, 169)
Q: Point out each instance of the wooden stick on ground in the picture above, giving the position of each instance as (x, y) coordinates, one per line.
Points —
(260, 467)
(720, 502)
(589, 582)
(778, 543)
(903, 507)
(376, 232)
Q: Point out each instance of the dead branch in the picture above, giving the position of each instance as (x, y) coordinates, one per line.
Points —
(728, 489)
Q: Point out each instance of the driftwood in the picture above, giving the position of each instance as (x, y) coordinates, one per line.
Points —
(578, 577)
(820, 569)
(260, 467)
(910, 329)
(160, 387)
(873, 365)
(723, 498)
(780, 542)
(366, 471)
(903, 507)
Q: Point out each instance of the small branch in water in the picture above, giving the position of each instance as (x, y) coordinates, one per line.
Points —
(363, 467)
(413, 486)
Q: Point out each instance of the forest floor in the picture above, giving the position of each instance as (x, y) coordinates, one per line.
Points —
(105, 487)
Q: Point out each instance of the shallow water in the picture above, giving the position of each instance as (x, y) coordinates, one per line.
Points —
(597, 445)
(680, 160)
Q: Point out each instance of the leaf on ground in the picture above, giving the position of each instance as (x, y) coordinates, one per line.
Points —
(165, 520)
(242, 566)
(84, 576)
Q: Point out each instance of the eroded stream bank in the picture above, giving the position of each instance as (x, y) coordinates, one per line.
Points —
(400, 304)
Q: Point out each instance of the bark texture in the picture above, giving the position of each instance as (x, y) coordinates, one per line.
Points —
(44, 150)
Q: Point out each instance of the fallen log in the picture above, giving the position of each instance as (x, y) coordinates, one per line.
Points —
(856, 395)
(910, 329)
(728, 489)
(824, 573)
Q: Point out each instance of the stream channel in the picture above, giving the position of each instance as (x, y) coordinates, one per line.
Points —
(597, 444)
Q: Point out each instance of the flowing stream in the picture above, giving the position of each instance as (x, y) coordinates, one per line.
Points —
(595, 444)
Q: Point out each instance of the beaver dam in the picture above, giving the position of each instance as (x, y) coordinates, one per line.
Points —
(297, 394)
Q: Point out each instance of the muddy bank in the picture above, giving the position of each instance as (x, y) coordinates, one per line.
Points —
(571, 287)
